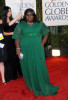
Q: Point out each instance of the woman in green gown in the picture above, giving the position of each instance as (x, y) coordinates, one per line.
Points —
(28, 34)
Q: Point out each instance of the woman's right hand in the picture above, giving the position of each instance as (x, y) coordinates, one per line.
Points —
(19, 15)
(18, 51)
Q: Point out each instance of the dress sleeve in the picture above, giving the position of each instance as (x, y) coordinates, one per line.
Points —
(17, 32)
(44, 29)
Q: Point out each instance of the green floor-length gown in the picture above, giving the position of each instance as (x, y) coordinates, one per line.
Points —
(33, 64)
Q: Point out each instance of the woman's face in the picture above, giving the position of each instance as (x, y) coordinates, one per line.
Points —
(29, 17)
(9, 13)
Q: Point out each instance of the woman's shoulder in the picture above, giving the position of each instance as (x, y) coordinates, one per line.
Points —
(41, 23)
(38, 23)
(21, 22)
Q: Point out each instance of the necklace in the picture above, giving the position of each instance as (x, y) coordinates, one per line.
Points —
(30, 22)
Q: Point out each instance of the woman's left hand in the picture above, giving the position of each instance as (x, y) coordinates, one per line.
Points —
(44, 39)
(42, 43)
(18, 51)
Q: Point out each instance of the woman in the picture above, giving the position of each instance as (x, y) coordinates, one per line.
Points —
(3, 56)
(28, 34)
(8, 27)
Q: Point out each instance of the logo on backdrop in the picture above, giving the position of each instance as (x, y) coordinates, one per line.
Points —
(56, 12)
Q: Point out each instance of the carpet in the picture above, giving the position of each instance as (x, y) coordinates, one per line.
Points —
(58, 73)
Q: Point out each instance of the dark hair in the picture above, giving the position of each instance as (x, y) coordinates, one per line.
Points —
(32, 12)
(4, 16)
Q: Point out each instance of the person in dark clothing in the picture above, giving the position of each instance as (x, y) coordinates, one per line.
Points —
(3, 56)
(30, 42)
(8, 27)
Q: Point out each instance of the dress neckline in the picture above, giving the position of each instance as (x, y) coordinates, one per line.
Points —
(30, 25)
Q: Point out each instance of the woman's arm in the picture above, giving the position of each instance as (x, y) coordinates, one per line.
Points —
(17, 44)
(44, 39)
(0, 21)
(15, 19)
(6, 34)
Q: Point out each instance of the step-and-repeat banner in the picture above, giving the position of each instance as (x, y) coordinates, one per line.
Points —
(55, 12)
(20, 5)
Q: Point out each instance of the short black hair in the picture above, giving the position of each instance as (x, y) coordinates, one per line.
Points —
(32, 12)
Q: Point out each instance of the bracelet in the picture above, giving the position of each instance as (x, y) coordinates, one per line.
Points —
(18, 48)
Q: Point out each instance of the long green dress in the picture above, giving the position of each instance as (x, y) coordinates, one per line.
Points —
(33, 64)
